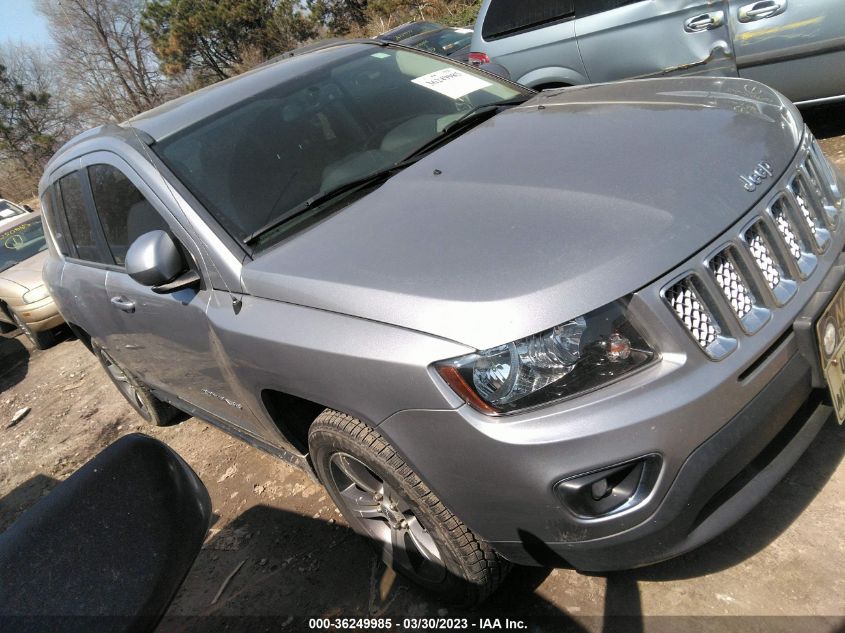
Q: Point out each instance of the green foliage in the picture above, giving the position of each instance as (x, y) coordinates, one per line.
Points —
(24, 122)
(465, 14)
(220, 38)
(339, 17)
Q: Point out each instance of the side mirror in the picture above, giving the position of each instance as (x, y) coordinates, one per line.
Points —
(28, 208)
(154, 260)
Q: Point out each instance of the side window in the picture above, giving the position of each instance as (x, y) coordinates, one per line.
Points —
(79, 225)
(124, 211)
(591, 7)
(506, 17)
(49, 210)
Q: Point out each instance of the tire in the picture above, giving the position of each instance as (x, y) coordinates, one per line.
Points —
(387, 502)
(40, 340)
(137, 394)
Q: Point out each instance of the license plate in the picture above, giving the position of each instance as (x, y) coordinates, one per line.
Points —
(830, 332)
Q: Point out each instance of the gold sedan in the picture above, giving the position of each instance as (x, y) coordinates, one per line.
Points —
(24, 300)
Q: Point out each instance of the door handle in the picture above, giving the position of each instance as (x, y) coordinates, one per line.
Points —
(705, 22)
(761, 10)
(122, 303)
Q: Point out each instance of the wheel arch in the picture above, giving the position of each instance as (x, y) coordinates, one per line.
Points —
(552, 75)
(292, 416)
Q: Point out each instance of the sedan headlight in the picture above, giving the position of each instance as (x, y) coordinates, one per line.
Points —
(36, 294)
(572, 358)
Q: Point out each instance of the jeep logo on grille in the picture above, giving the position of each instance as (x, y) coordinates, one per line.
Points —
(760, 173)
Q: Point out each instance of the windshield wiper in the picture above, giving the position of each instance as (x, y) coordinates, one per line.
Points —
(471, 118)
(323, 197)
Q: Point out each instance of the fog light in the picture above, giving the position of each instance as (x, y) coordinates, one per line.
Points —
(609, 490)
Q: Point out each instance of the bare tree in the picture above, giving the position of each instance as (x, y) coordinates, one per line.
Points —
(34, 120)
(106, 58)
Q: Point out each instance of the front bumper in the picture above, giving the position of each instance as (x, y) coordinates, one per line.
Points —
(719, 483)
(39, 315)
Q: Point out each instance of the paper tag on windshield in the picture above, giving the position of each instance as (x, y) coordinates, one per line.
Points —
(451, 82)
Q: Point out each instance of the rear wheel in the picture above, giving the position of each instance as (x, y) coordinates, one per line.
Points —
(385, 501)
(137, 394)
(41, 340)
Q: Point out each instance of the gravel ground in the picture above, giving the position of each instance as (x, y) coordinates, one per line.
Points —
(785, 559)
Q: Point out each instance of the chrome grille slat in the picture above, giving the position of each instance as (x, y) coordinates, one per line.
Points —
(800, 191)
(784, 226)
(687, 304)
(733, 286)
(760, 251)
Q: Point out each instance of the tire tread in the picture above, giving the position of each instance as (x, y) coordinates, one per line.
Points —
(483, 568)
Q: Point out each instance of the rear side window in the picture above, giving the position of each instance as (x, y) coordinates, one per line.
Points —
(79, 224)
(48, 209)
(505, 17)
(124, 211)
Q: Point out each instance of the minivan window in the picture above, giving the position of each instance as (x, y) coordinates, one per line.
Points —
(79, 224)
(505, 17)
(266, 155)
(123, 210)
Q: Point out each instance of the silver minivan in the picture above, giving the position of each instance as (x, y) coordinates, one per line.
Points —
(794, 46)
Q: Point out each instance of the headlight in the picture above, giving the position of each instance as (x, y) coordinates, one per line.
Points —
(572, 358)
(36, 294)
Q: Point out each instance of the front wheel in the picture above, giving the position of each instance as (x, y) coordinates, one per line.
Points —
(386, 502)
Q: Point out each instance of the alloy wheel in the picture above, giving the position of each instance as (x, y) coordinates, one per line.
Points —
(386, 518)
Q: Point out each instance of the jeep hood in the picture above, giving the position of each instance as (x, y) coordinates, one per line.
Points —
(544, 212)
(23, 276)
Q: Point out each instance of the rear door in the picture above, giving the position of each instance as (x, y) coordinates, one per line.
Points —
(622, 39)
(533, 39)
(163, 339)
(795, 46)
(81, 294)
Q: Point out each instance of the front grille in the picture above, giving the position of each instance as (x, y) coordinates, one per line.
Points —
(760, 269)
(733, 286)
(762, 256)
(691, 311)
(812, 215)
(785, 228)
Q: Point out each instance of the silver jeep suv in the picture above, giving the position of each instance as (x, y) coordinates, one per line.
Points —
(569, 328)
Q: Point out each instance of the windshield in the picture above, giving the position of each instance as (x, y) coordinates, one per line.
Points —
(9, 210)
(408, 30)
(443, 42)
(21, 242)
(317, 131)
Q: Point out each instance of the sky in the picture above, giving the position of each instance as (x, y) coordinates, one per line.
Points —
(19, 22)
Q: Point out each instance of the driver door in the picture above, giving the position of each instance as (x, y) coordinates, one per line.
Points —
(163, 339)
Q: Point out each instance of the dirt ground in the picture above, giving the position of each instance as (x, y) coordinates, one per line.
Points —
(785, 560)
